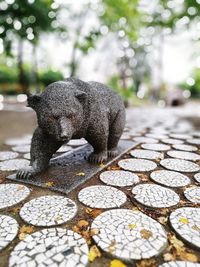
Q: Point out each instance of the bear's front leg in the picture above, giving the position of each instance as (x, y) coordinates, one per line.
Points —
(99, 142)
(43, 147)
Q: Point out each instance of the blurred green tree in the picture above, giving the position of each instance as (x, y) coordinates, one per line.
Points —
(25, 20)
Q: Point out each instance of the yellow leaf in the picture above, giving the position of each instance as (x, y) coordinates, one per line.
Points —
(82, 224)
(49, 184)
(15, 210)
(146, 234)
(94, 231)
(94, 253)
(162, 219)
(186, 256)
(146, 263)
(168, 257)
(111, 247)
(183, 220)
(132, 226)
(101, 165)
(93, 212)
(24, 230)
(80, 174)
(117, 263)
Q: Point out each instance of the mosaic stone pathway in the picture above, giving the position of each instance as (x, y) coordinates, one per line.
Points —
(50, 247)
(151, 193)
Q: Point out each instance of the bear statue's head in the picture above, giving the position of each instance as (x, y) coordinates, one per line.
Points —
(60, 110)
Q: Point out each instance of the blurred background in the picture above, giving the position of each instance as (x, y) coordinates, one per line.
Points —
(148, 51)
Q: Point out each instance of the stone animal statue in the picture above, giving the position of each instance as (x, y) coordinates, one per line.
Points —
(73, 109)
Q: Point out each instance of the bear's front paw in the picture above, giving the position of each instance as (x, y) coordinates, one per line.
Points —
(113, 153)
(97, 158)
(26, 173)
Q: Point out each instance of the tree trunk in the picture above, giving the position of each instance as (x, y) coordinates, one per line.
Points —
(21, 73)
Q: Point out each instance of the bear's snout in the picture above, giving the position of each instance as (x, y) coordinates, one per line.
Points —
(66, 129)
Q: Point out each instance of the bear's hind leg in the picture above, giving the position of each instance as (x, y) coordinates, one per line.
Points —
(115, 132)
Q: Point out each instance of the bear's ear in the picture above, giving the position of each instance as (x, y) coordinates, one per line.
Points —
(33, 100)
(80, 95)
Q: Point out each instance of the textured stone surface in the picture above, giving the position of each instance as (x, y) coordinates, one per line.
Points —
(193, 194)
(195, 141)
(19, 141)
(155, 196)
(183, 155)
(22, 149)
(185, 147)
(48, 210)
(101, 197)
(74, 109)
(146, 154)
(179, 165)
(11, 194)
(121, 232)
(6, 155)
(8, 230)
(143, 139)
(77, 142)
(157, 147)
(137, 165)
(13, 164)
(185, 222)
(180, 136)
(172, 141)
(197, 177)
(170, 178)
(54, 247)
(119, 178)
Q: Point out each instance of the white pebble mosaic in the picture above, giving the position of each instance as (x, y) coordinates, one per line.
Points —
(48, 210)
(12, 194)
(193, 194)
(129, 235)
(8, 230)
(170, 178)
(14, 164)
(185, 148)
(102, 197)
(137, 165)
(157, 147)
(6, 155)
(183, 155)
(146, 154)
(119, 178)
(179, 165)
(54, 247)
(185, 221)
(155, 196)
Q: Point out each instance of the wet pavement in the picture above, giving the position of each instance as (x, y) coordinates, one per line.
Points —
(140, 209)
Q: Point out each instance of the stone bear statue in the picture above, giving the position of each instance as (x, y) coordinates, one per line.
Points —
(73, 109)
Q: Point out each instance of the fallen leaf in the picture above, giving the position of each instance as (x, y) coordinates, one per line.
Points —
(169, 257)
(49, 184)
(93, 212)
(80, 174)
(101, 165)
(111, 247)
(186, 256)
(146, 263)
(196, 228)
(146, 234)
(162, 219)
(183, 220)
(20, 187)
(82, 224)
(94, 231)
(24, 230)
(132, 226)
(117, 263)
(94, 253)
(15, 210)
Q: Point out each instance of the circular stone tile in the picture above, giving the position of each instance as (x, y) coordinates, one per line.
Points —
(171, 141)
(77, 142)
(157, 147)
(8, 230)
(146, 154)
(156, 136)
(27, 156)
(155, 196)
(193, 194)
(143, 139)
(185, 147)
(119, 178)
(102, 197)
(197, 177)
(179, 165)
(185, 222)
(183, 155)
(50, 247)
(14, 164)
(48, 210)
(137, 165)
(11, 194)
(22, 149)
(6, 155)
(170, 178)
(129, 235)
(179, 264)
(180, 136)
(194, 141)
(18, 141)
